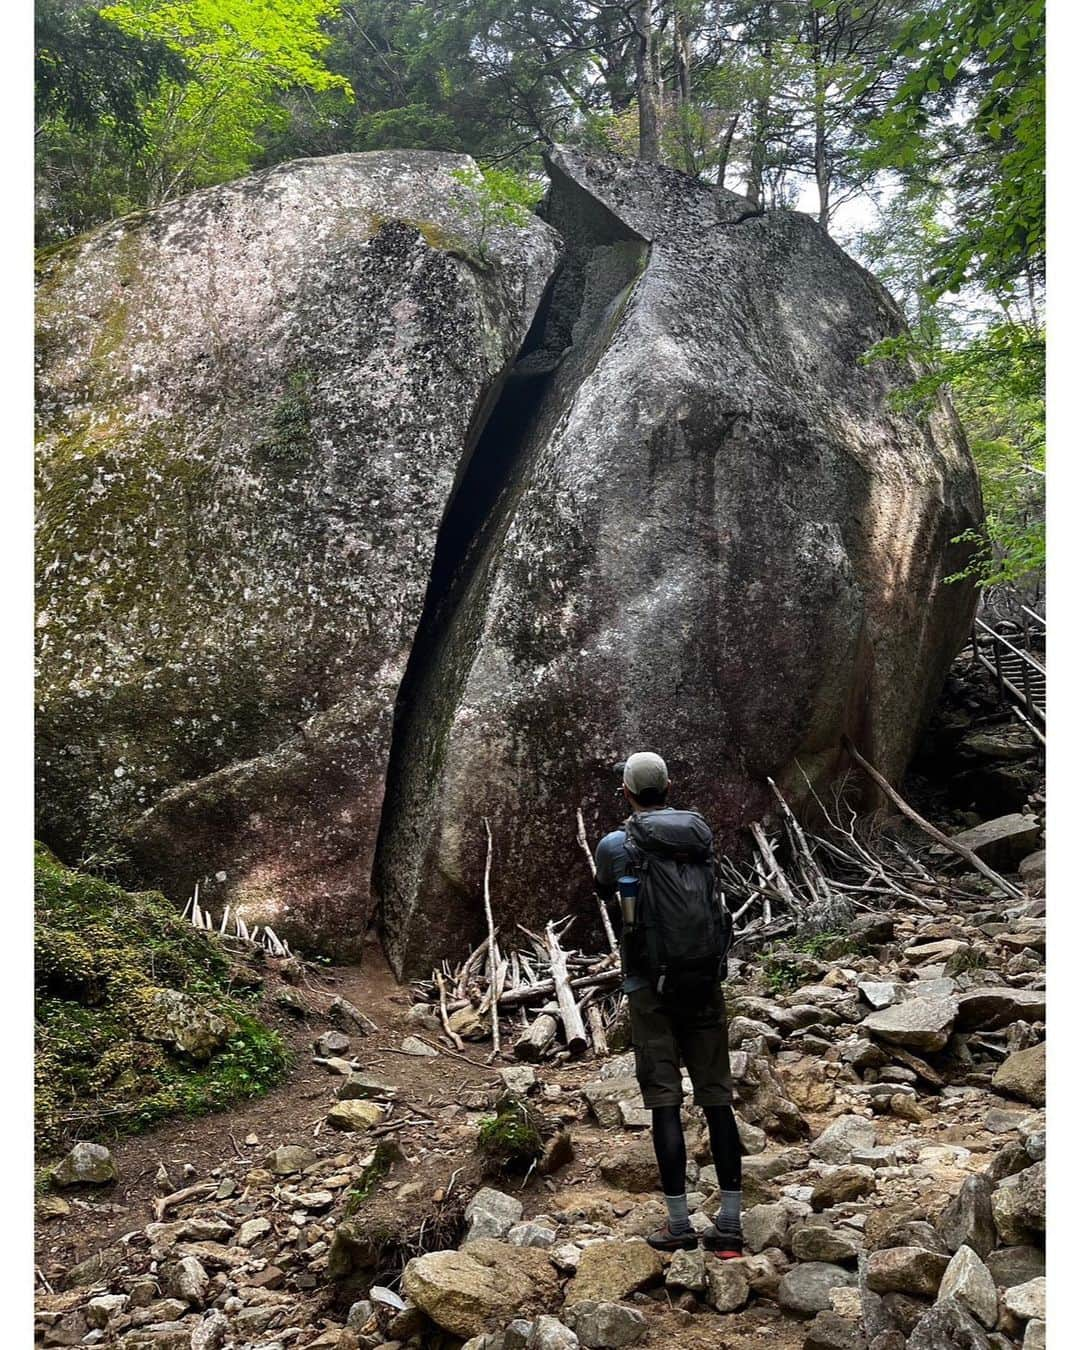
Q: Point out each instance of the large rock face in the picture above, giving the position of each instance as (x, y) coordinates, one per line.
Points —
(325, 512)
(719, 541)
(254, 405)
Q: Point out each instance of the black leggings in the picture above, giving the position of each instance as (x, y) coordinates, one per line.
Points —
(670, 1147)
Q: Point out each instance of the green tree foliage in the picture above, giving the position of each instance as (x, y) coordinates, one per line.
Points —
(88, 72)
(242, 55)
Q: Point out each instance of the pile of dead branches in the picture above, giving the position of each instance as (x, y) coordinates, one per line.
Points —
(795, 881)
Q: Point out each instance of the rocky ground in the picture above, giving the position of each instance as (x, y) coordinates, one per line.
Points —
(890, 1103)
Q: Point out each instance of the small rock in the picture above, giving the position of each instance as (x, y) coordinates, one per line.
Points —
(805, 1289)
(766, 1226)
(101, 1310)
(842, 1185)
(354, 1115)
(1002, 842)
(1023, 1075)
(176, 1019)
(531, 1235)
(967, 1219)
(289, 1158)
(491, 1214)
(613, 1269)
(686, 1270)
(1019, 1205)
(185, 1279)
(906, 1107)
(1035, 1335)
(413, 1046)
(548, 1333)
(878, 993)
(606, 1326)
(1015, 1265)
(86, 1165)
(830, 1331)
(814, 1242)
(332, 1043)
(918, 1023)
(520, 1079)
(967, 1279)
(210, 1333)
(727, 1287)
(948, 1326)
(835, 1143)
(363, 1087)
(632, 1167)
(905, 1270)
(252, 1230)
(423, 1018)
(1027, 1300)
(992, 1007)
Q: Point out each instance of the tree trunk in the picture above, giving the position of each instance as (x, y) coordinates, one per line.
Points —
(822, 166)
(647, 85)
(725, 151)
(682, 88)
(760, 126)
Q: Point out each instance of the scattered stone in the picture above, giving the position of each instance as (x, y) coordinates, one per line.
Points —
(1033, 867)
(1027, 1300)
(836, 1142)
(878, 993)
(906, 1107)
(766, 1226)
(355, 1115)
(413, 1046)
(1023, 1075)
(614, 1269)
(605, 1094)
(806, 1289)
(905, 1270)
(967, 1219)
(606, 1326)
(364, 1087)
(995, 1006)
(469, 1024)
(332, 1043)
(548, 1333)
(481, 1287)
(1019, 1205)
(830, 1331)
(1016, 1265)
(520, 1079)
(833, 1246)
(686, 1270)
(287, 1159)
(948, 1326)
(1035, 1335)
(931, 952)
(531, 1234)
(176, 1019)
(491, 1214)
(186, 1280)
(967, 1279)
(920, 1023)
(86, 1165)
(727, 1286)
(631, 1167)
(252, 1230)
(841, 1185)
(210, 1333)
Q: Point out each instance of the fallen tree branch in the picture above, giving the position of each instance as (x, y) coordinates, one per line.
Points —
(167, 1202)
(961, 850)
(493, 951)
(605, 917)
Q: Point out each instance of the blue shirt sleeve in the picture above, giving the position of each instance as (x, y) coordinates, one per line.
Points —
(611, 862)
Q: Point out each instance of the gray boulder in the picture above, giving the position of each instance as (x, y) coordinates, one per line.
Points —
(1023, 1075)
(805, 1289)
(837, 1141)
(967, 1279)
(987, 1009)
(606, 1326)
(948, 1326)
(967, 1219)
(1019, 1205)
(643, 535)
(491, 1214)
(1004, 841)
(256, 403)
(917, 1023)
(85, 1165)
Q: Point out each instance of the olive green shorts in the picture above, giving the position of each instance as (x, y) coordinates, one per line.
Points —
(664, 1034)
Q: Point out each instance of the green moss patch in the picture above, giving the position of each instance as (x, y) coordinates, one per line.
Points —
(102, 956)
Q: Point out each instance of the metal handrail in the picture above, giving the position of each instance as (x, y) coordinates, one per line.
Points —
(1039, 617)
(1017, 651)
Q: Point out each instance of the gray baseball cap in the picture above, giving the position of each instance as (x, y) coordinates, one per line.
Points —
(644, 770)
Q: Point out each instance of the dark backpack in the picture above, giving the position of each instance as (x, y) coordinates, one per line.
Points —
(682, 932)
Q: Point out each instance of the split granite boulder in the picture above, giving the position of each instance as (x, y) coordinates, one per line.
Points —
(335, 539)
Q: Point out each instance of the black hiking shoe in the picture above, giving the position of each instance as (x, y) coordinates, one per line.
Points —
(726, 1243)
(664, 1240)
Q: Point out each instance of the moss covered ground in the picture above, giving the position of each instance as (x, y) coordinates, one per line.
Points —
(101, 955)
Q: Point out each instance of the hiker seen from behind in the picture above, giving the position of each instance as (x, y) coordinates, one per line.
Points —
(676, 932)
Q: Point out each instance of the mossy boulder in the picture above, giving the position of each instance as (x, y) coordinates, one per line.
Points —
(136, 1015)
(254, 404)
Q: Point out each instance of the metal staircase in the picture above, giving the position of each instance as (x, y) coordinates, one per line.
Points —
(1018, 671)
